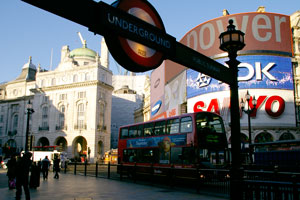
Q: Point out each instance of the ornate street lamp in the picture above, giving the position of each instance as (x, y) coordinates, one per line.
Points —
(249, 111)
(29, 112)
(232, 41)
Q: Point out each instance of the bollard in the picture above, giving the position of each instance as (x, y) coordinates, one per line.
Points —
(75, 165)
(96, 169)
(171, 176)
(152, 174)
(134, 173)
(65, 167)
(85, 166)
(121, 171)
(198, 179)
(108, 170)
(295, 188)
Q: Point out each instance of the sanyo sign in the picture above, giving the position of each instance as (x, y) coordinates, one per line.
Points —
(263, 31)
(272, 105)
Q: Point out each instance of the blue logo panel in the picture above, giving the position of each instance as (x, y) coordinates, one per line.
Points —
(257, 72)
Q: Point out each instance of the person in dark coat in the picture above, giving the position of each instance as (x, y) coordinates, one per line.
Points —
(45, 167)
(22, 175)
(56, 167)
(35, 176)
(11, 172)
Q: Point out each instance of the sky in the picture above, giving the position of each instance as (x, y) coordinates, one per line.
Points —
(26, 30)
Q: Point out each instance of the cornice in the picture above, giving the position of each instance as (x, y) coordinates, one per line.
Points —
(22, 98)
(76, 85)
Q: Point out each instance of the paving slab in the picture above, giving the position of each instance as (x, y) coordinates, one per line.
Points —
(77, 187)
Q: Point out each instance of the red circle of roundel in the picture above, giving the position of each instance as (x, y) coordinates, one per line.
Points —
(120, 47)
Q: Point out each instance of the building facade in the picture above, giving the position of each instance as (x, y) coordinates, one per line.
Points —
(128, 96)
(14, 96)
(72, 104)
(295, 25)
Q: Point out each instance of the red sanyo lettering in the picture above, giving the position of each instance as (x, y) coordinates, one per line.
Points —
(269, 102)
(212, 107)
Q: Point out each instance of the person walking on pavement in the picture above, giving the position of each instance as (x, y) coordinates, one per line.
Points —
(11, 172)
(45, 167)
(22, 175)
(56, 167)
(35, 176)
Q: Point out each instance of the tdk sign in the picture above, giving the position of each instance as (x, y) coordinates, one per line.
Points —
(259, 71)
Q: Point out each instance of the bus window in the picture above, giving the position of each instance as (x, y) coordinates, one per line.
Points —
(133, 132)
(124, 133)
(140, 131)
(176, 155)
(217, 125)
(147, 155)
(186, 125)
(129, 155)
(160, 128)
(148, 129)
(207, 123)
(173, 126)
(188, 155)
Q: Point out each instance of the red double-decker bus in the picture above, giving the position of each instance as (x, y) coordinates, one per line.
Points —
(185, 141)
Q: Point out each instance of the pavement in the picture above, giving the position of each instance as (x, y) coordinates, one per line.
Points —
(77, 187)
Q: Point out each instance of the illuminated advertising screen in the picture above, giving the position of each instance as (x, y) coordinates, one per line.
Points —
(263, 32)
(255, 72)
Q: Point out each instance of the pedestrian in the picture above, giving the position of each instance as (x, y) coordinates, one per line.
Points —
(35, 176)
(22, 175)
(45, 167)
(11, 172)
(56, 167)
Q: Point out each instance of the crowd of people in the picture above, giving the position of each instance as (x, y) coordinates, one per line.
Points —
(22, 172)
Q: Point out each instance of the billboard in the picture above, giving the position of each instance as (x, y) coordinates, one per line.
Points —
(175, 92)
(263, 32)
(157, 91)
(275, 107)
(265, 69)
(255, 72)
(173, 95)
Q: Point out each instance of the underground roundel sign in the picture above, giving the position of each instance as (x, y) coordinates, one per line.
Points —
(129, 54)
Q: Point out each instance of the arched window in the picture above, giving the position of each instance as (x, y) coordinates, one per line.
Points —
(53, 81)
(75, 78)
(61, 120)
(81, 116)
(15, 124)
(87, 76)
(287, 136)
(102, 115)
(45, 117)
(12, 143)
(42, 83)
(264, 137)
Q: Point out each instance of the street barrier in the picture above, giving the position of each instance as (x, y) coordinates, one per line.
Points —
(254, 184)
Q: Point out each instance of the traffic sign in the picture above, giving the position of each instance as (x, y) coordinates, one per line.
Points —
(132, 54)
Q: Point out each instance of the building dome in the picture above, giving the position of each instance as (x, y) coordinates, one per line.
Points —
(29, 64)
(83, 52)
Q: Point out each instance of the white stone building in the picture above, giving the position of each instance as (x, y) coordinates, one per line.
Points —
(72, 104)
(295, 25)
(129, 95)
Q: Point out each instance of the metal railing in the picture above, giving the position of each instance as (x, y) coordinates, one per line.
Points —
(255, 184)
